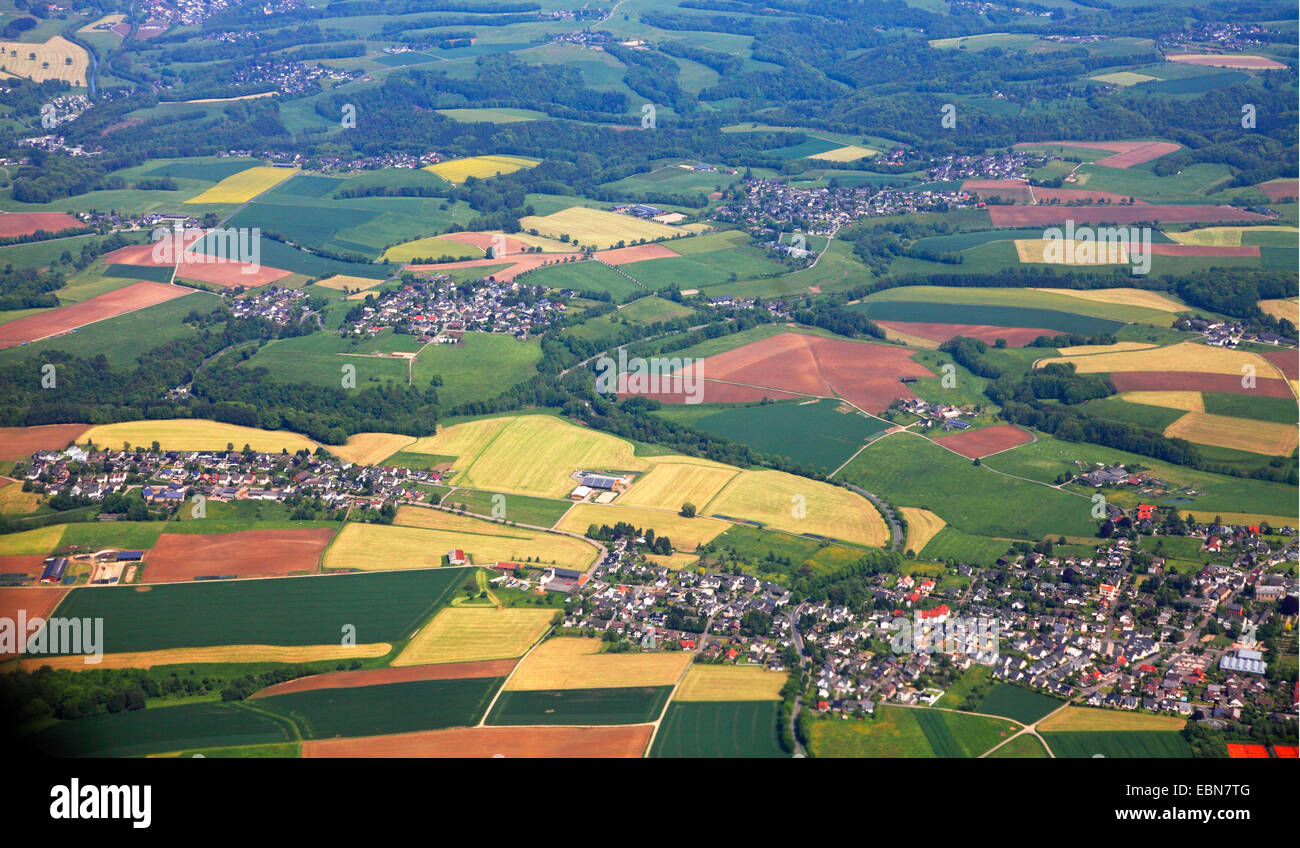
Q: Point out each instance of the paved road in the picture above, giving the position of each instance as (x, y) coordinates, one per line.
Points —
(799, 750)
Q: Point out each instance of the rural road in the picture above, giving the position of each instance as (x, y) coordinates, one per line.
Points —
(799, 750)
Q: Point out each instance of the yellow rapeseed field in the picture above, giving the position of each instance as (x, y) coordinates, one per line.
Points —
(244, 186)
(587, 226)
(458, 170)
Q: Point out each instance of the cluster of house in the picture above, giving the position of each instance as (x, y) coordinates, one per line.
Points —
(1230, 334)
(943, 415)
(53, 142)
(427, 307)
(820, 211)
(273, 303)
(291, 77)
(1227, 35)
(1005, 165)
(650, 213)
(182, 12)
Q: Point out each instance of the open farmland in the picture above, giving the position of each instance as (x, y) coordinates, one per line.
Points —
(67, 318)
(611, 705)
(471, 634)
(370, 448)
(464, 366)
(30, 602)
(1225, 60)
(1263, 437)
(794, 504)
(26, 223)
(1143, 744)
(922, 526)
(730, 729)
(670, 484)
(20, 442)
(1016, 702)
(245, 185)
(380, 676)
(705, 682)
(250, 653)
(175, 728)
(276, 611)
(1090, 718)
(456, 171)
(1124, 154)
(686, 533)
(1047, 216)
(1182, 357)
(575, 663)
(986, 440)
(386, 708)
(251, 553)
(587, 226)
(193, 434)
(509, 742)
(56, 59)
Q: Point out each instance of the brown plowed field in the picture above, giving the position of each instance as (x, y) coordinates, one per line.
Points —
(1226, 60)
(866, 375)
(636, 253)
(378, 676)
(1205, 250)
(247, 553)
(1280, 190)
(30, 564)
(26, 223)
(134, 254)
(1126, 153)
(37, 602)
(1080, 195)
(985, 441)
(65, 318)
(1287, 361)
(484, 240)
(19, 442)
(627, 741)
(1015, 336)
(230, 274)
(1110, 215)
(523, 262)
(1192, 381)
(715, 392)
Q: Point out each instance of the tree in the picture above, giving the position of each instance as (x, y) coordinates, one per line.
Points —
(688, 510)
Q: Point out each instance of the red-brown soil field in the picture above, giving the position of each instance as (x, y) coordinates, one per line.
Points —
(20, 442)
(377, 676)
(1205, 250)
(1193, 381)
(520, 263)
(36, 602)
(134, 254)
(230, 274)
(1015, 336)
(636, 253)
(1126, 153)
(1080, 195)
(866, 375)
(107, 305)
(1110, 214)
(30, 564)
(1287, 361)
(1280, 190)
(507, 742)
(1225, 60)
(246, 553)
(1015, 190)
(985, 441)
(26, 223)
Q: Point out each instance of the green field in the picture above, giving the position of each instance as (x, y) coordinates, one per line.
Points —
(953, 735)
(774, 555)
(277, 254)
(735, 729)
(1020, 298)
(96, 535)
(285, 611)
(586, 276)
(481, 367)
(520, 509)
(904, 732)
(1280, 410)
(951, 543)
(1145, 744)
(1001, 316)
(152, 731)
(623, 705)
(817, 434)
(700, 271)
(911, 471)
(1142, 415)
(319, 359)
(387, 708)
(1015, 702)
(1024, 747)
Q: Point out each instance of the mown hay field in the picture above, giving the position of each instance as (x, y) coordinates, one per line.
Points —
(1070, 252)
(1186, 401)
(1090, 718)
(686, 534)
(1123, 297)
(1227, 236)
(730, 683)
(922, 526)
(1282, 309)
(795, 504)
(215, 654)
(56, 59)
(847, 153)
(244, 186)
(1263, 437)
(1184, 356)
(1089, 350)
(568, 662)
(371, 448)
(469, 634)
(588, 226)
(669, 484)
(376, 547)
(343, 282)
(195, 434)
(456, 171)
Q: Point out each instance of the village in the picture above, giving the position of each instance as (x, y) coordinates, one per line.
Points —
(428, 307)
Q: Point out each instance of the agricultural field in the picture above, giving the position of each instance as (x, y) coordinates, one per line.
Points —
(587, 226)
(569, 662)
(470, 634)
(903, 732)
(922, 526)
(462, 367)
(786, 502)
(1018, 703)
(687, 534)
(730, 683)
(383, 709)
(1143, 744)
(1023, 747)
(55, 59)
(173, 728)
(370, 448)
(727, 729)
(1089, 718)
(195, 435)
(607, 705)
(509, 742)
(245, 185)
(252, 553)
(518, 509)
(65, 319)
(456, 171)
(669, 484)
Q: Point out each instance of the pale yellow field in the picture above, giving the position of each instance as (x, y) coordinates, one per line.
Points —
(217, 654)
(370, 448)
(587, 226)
(674, 562)
(847, 153)
(1226, 60)
(922, 526)
(668, 485)
(1070, 252)
(111, 20)
(1186, 401)
(244, 186)
(1266, 437)
(528, 454)
(1221, 236)
(194, 434)
(730, 683)
(1283, 310)
(342, 282)
(458, 170)
(1090, 718)
(42, 541)
(773, 497)
(1243, 518)
(907, 338)
(433, 248)
(1184, 356)
(231, 99)
(572, 663)
(14, 500)
(377, 547)
(1123, 78)
(469, 634)
(686, 533)
(56, 59)
(1089, 350)
(1123, 296)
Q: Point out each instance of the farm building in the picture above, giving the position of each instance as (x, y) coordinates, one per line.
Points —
(456, 557)
(1249, 662)
(603, 482)
(54, 569)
